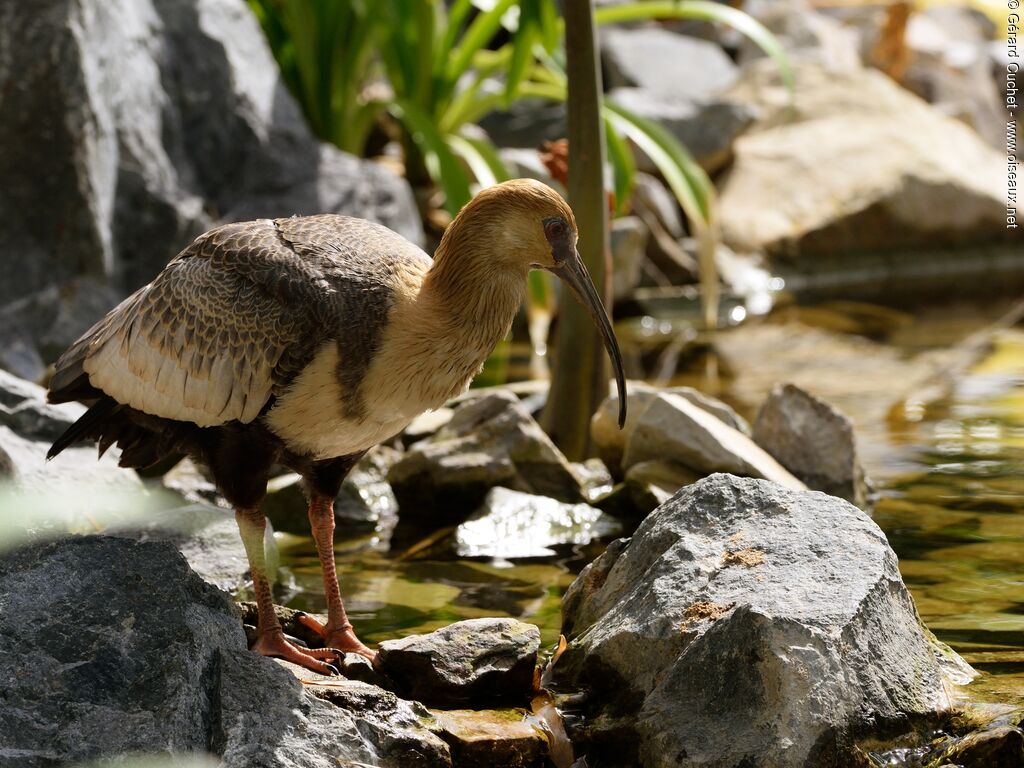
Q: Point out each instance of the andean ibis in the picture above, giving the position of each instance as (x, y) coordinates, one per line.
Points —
(305, 341)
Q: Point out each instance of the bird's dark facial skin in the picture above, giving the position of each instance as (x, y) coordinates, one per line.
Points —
(561, 238)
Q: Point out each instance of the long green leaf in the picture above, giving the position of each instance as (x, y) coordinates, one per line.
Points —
(479, 33)
(444, 167)
(623, 166)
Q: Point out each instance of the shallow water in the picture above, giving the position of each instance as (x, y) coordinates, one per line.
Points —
(950, 497)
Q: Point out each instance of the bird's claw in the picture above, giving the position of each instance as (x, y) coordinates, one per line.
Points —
(340, 641)
(275, 644)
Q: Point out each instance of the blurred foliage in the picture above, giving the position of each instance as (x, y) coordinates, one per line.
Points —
(438, 68)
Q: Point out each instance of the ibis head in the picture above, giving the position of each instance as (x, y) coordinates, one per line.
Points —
(527, 225)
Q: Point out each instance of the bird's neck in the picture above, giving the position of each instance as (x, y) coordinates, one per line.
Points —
(468, 301)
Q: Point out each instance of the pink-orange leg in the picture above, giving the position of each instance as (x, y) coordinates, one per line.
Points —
(270, 639)
(338, 632)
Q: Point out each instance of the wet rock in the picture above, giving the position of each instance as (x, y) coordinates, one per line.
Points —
(610, 441)
(829, 203)
(157, 120)
(999, 747)
(365, 501)
(595, 479)
(127, 638)
(628, 243)
(512, 525)
(477, 661)
(140, 655)
(489, 441)
(744, 623)
(482, 739)
(637, 58)
(707, 127)
(812, 440)
(672, 428)
(651, 483)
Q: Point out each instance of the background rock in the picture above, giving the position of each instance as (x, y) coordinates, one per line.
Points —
(638, 57)
(812, 440)
(158, 119)
(931, 183)
(478, 661)
(747, 624)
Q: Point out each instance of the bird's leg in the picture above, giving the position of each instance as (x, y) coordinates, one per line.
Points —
(270, 639)
(338, 632)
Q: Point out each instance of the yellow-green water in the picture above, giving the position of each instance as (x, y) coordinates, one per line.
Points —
(950, 498)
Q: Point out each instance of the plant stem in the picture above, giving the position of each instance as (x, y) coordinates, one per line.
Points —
(580, 377)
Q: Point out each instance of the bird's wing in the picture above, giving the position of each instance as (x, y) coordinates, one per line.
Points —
(224, 327)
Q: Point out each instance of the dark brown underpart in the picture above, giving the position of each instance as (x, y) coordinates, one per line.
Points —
(240, 456)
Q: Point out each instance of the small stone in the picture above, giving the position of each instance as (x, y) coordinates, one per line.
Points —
(812, 440)
(477, 661)
(513, 525)
(488, 738)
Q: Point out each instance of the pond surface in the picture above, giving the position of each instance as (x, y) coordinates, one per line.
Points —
(949, 482)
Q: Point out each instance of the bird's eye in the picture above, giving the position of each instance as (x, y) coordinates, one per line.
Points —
(555, 229)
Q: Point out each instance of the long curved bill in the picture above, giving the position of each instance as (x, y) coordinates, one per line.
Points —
(573, 272)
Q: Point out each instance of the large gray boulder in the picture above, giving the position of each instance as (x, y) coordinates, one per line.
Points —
(158, 119)
(746, 624)
(137, 654)
(932, 182)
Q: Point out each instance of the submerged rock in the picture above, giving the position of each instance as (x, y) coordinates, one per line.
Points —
(511, 524)
(490, 441)
(747, 624)
(477, 661)
(813, 440)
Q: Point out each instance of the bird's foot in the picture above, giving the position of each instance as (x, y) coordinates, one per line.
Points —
(274, 644)
(343, 639)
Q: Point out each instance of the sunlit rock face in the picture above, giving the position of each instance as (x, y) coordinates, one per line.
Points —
(513, 525)
(747, 624)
